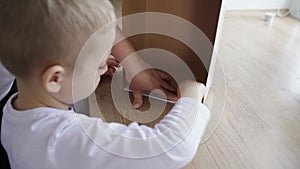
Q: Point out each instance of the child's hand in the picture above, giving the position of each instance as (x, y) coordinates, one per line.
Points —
(111, 64)
(191, 89)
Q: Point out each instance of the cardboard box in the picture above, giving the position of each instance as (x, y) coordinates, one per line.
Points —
(201, 13)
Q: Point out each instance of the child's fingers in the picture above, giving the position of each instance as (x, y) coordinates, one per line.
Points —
(110, 71)
(112, 62)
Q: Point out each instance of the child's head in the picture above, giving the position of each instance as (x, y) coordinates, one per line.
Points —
(40, 41)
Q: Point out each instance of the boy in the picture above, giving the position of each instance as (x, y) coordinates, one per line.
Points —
(40, 130)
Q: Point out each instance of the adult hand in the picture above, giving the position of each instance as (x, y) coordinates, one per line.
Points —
(148, 80)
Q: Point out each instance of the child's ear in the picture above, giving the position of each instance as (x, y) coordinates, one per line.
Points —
(52, 78)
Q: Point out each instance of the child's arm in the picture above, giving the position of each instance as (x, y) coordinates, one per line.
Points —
(172, 143)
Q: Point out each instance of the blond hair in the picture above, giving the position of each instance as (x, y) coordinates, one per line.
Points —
(40, 33)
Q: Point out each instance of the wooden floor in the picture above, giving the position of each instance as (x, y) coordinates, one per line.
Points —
(260, 127)
(260, 123)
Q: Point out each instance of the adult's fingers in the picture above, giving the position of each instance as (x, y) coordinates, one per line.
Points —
(168, 86)
(163, 75)
(168, 94)
(137, 99)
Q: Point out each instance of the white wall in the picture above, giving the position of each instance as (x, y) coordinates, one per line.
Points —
(215, 53)
(257, 4)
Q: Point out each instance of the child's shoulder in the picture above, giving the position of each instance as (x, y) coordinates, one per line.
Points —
(46, 115)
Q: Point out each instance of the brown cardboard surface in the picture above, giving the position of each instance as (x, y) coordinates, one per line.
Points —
(204, 14)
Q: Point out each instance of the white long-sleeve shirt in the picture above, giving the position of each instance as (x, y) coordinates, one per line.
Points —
(48, 138)
(6, 81)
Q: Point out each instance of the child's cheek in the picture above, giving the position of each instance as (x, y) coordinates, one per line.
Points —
(97, 80)
(99, 73)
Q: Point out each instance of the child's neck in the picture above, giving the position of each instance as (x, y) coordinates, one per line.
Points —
(34, 97)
